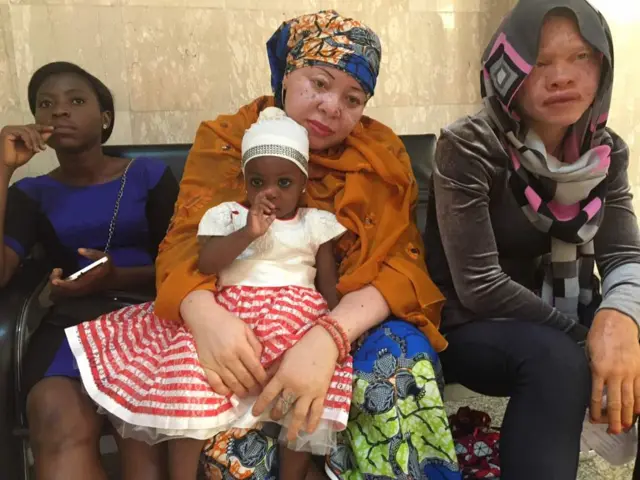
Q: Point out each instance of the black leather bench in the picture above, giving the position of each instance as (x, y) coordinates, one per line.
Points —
(19, 300)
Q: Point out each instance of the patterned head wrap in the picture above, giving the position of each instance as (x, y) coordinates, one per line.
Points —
(327, 39)
(563, 198)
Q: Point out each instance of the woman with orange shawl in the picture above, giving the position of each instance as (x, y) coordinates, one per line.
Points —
(324, 69)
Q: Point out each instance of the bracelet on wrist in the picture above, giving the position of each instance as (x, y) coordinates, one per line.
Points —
(338, 335)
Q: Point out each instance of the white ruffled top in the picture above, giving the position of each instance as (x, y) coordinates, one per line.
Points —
(285, 255)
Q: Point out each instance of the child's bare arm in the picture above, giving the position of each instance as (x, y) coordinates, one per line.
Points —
(327, 274)
(217, 253)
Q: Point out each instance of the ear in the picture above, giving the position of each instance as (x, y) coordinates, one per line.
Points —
(107, 118)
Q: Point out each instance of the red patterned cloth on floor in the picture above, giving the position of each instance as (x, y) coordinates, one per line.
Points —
(477, 444)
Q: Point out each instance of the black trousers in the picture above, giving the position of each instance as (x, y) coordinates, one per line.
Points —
(547, 377)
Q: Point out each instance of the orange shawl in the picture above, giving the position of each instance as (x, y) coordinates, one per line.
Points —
(367, 182)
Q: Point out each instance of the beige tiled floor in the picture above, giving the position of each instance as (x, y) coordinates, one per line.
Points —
(591, 466)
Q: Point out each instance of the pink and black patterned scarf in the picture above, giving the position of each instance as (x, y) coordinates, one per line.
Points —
(564, 198)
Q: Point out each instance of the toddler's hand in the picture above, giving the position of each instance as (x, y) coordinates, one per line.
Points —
(261, 215)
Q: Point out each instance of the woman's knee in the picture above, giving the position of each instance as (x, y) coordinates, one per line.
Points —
(60, 415)
(406, 335)
(556, 360)
(394, 338)
(504, 355)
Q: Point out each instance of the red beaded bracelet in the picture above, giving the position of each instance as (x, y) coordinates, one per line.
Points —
(337, 339)
(338, 334)
(332, 321)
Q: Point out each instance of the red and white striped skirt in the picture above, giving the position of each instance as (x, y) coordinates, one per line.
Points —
(144, 371)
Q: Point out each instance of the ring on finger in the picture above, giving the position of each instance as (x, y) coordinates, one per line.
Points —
(286, 401)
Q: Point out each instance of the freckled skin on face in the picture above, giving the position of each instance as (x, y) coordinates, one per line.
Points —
(564, 82)
(281, 178)
(326, 101)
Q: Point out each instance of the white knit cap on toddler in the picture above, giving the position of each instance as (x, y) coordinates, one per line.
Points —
(276, 135)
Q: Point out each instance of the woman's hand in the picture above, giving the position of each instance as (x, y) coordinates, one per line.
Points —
(301, 382)
(615, 363)
(227, 349)
(95, 280)
(18, 144)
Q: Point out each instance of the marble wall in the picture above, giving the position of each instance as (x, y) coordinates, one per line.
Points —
(173, 63)
(624, 18)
